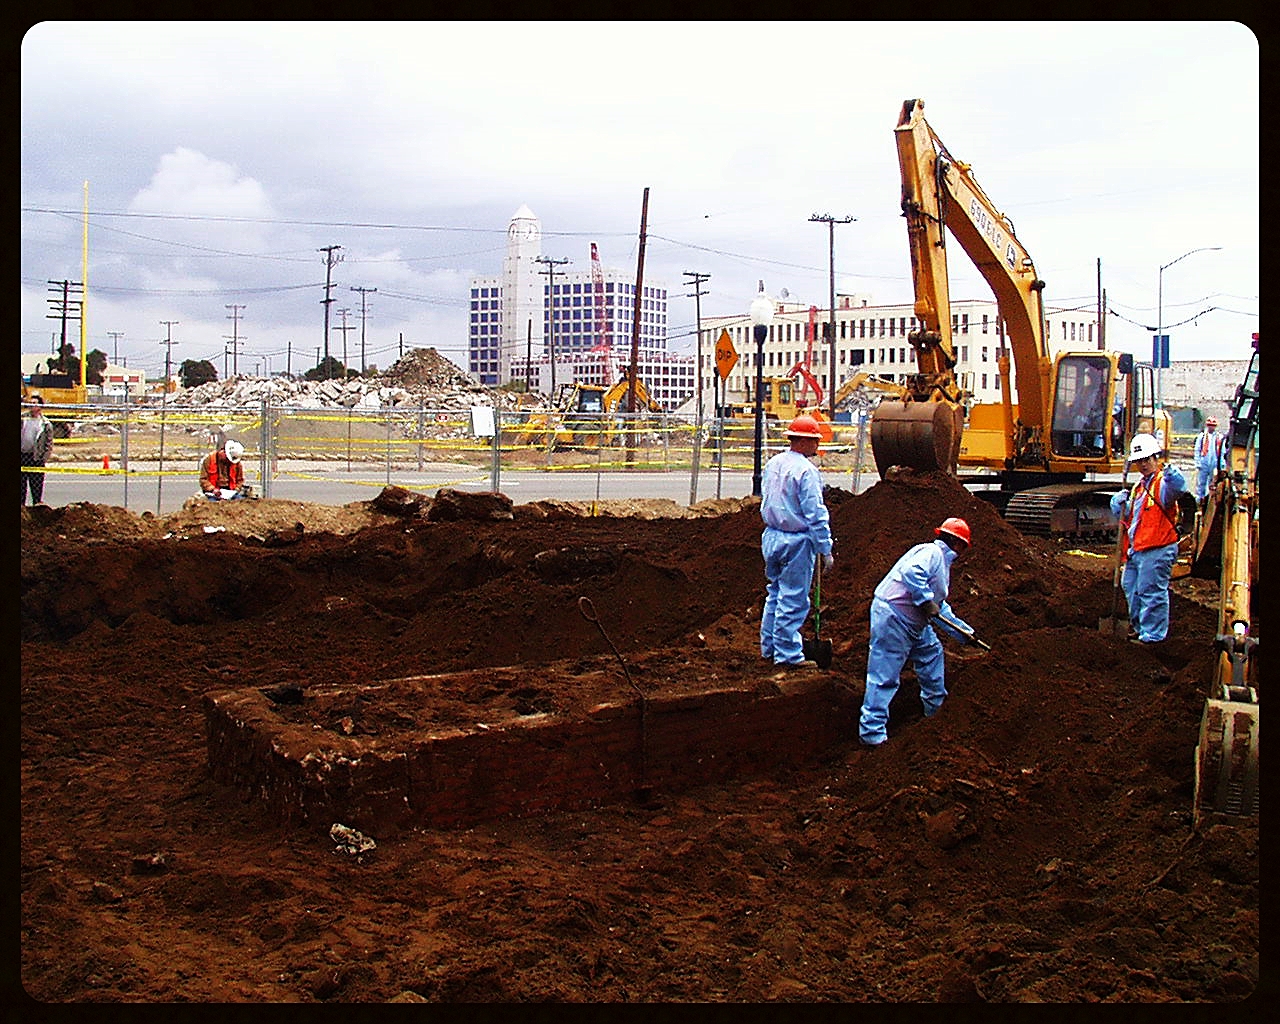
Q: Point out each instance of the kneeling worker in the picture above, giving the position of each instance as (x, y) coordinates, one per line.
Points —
(910, 595)
(221, 475)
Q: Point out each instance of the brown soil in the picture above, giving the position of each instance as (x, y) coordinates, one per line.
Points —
(1031, 842)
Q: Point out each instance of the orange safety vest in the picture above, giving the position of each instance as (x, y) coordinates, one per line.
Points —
(218, 471)
(1155, 525)
(1203, 442)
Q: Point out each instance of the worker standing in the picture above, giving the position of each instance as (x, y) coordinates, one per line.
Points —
(1148, 516)
(905, 605)
(797, 531)
(221, 475)
(37, 446)
(1208, 456)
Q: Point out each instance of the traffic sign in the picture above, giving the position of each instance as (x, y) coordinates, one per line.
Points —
(726, 355)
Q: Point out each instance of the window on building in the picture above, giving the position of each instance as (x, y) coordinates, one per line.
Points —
(985, 317)
(902, 355)
(902, 326)
(892, 327)
(891, 351)
(984, 380)
(984, 353)
(964, 353)
(964, 323)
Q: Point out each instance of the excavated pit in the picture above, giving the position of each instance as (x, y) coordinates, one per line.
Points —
(1031, 842)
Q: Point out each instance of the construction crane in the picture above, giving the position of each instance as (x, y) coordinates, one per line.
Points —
(604, 342)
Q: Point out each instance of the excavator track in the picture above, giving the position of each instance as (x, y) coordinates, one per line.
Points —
(1062, 510)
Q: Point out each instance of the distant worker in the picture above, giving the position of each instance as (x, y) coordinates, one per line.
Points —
(797, 531)
(1148, 515)
(904, 606)
(1209, 457)
(37, 446)
(221, 475)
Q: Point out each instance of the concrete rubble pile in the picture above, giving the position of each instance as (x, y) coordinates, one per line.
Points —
(422, 378)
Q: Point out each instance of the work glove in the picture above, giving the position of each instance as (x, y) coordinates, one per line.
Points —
(828, 560)
(214, 496)
(930, 608)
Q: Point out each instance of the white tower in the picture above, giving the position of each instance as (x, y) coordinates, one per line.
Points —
(522, 292)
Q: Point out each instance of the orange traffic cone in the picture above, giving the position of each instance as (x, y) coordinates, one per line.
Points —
(106, 462)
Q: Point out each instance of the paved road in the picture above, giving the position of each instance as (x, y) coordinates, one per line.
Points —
(334, 484)
(337, 486)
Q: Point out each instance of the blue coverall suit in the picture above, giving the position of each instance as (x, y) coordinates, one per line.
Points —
(900, 630)
(1208, 455)
(797, 529)
(1147, 571)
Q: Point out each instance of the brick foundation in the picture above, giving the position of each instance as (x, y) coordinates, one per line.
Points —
(519, 765)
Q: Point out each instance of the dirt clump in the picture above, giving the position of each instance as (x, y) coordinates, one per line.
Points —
(1031, 842)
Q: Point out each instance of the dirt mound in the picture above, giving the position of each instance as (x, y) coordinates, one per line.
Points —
(1031, 842)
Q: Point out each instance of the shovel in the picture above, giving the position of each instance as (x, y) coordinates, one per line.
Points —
(817, 649)
(1113, 625)
(966, 633)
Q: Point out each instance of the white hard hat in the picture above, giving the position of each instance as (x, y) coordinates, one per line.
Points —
(234, 450)
(1142, 446)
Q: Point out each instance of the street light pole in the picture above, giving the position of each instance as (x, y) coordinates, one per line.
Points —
(1159, 368)
(761, 313)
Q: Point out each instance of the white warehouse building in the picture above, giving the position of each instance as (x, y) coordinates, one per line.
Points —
(516, 317)
(873, 339)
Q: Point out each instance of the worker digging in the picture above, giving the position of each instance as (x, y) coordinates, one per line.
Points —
(907, 606)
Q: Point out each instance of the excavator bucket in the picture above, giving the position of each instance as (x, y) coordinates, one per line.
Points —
(1226, 761)
(919, 435)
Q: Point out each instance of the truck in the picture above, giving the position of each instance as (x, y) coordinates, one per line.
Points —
(57, 389)
(1075, 412)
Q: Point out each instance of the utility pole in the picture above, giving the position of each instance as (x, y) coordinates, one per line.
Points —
(363, 292)
(168, 344)
(288, 359)
(344, 328)
(115, 345)
(831, 223)
(63, 309)
(330, 261)
(697, 282)
(696, 295)
(235, 342)
(550, 273)
(1102, 305)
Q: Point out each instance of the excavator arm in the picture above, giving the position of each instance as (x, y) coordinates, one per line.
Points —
(940, 194)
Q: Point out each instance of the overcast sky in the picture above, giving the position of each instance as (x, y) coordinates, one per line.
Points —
(221, 156)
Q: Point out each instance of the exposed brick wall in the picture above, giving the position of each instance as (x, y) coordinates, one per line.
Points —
(455, 778)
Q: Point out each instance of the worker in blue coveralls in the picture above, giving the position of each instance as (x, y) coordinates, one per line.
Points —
(1208, 456)
(797, 530)
(1148, 514)
(903, 608)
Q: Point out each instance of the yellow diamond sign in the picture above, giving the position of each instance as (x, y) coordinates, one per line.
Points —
(726, 355)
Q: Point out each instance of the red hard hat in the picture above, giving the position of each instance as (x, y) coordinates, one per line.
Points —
(804, 426)
(1210, 422)
(955, 527)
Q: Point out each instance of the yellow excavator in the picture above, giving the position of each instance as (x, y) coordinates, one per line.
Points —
(1074, 413)
(585, 416)
(1226, 540)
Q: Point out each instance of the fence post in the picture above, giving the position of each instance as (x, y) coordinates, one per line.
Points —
(264, 448)
(497, 434)
(124, 446)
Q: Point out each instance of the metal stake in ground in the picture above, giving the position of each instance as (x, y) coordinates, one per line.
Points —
(588, 611)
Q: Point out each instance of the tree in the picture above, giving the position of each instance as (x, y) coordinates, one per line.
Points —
(194, 372)
(95, 367)
(327, 369)
(66, 360)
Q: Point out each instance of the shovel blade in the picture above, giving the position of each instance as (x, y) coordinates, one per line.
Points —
(818, 651)
(1113, 627)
